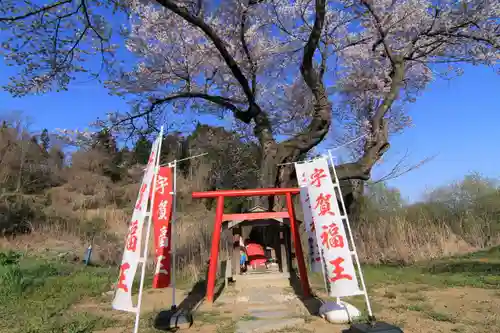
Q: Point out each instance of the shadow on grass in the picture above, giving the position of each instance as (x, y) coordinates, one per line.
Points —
(492, 253)
(189, 304)
(312, 303)
(465, 267)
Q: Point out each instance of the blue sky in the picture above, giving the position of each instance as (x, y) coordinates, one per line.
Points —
(457, 121)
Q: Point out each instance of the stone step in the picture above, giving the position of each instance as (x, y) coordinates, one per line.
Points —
(263, 276)
(267, 314)
(269, 307)
(267, 325)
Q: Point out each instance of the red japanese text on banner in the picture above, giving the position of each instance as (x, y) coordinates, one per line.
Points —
(314, 256)
(132, 253)
(162, 213)
(330, 233)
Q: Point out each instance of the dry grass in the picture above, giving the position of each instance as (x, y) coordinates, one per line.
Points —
(77, 213)
(407, 238)
(74, 217)
(399, 240)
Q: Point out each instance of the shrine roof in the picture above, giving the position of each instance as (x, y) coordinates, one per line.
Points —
(257, 222)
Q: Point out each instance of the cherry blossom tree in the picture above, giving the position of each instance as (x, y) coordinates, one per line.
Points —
(284, 69)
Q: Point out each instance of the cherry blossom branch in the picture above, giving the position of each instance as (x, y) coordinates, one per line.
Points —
(253, 69)
(381, 31)
(490, 42)
(323, 65)
(279, 23)
(51, 43)
(322, 115)
(218, 42)
(89, 22)
(310, 76)
(377, 143)
(262, 129)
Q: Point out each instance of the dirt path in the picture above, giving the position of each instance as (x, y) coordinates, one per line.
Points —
(255, 303)
(269, 304)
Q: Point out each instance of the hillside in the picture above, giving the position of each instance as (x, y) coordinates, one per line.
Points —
(56, 202)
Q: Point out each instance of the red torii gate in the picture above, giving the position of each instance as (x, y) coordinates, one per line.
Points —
(220, 217)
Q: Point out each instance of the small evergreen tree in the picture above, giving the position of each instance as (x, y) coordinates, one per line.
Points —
(142, 150)
(105, 143)
(45, 140)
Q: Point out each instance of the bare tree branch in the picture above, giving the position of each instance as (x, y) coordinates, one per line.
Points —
(35, 12)
(399, 169)
(224, 102)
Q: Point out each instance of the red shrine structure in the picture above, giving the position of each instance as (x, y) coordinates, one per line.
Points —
(220, 217)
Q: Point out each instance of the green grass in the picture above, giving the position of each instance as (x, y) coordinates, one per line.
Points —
(35, 295)
(440, 316)
(226, 326)
(209, 317)
(418, 307)
(480, 269)
(416, 297)
(223, 323)
(427, 310)
(70, 323)
(292, 329)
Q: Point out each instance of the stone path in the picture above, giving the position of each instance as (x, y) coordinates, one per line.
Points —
(271, 306)
(262, 302)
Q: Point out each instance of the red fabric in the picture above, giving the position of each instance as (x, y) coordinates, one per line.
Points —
(162, 213)
(256, 254)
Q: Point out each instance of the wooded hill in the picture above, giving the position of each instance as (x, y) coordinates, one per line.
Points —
(59, 199)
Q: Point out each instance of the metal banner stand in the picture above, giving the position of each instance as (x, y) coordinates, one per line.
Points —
(173, 319)
(354, 252)
(372, 326)
(149, 216)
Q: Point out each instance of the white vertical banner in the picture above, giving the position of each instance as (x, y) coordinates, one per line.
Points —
(351, 238)
(313, 251)
(332, 240)
(132, 252)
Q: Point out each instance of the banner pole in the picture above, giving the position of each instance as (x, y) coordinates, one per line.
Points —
(323, 270)
(351, 238)
(172, 235)
(184, 159)
(148, 231)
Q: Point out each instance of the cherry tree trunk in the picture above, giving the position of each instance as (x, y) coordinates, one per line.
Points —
(274, 172)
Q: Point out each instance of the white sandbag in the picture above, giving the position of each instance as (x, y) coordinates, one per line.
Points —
(339, 313)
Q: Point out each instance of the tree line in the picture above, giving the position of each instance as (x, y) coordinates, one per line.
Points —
(47, 186)
(289, 74)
